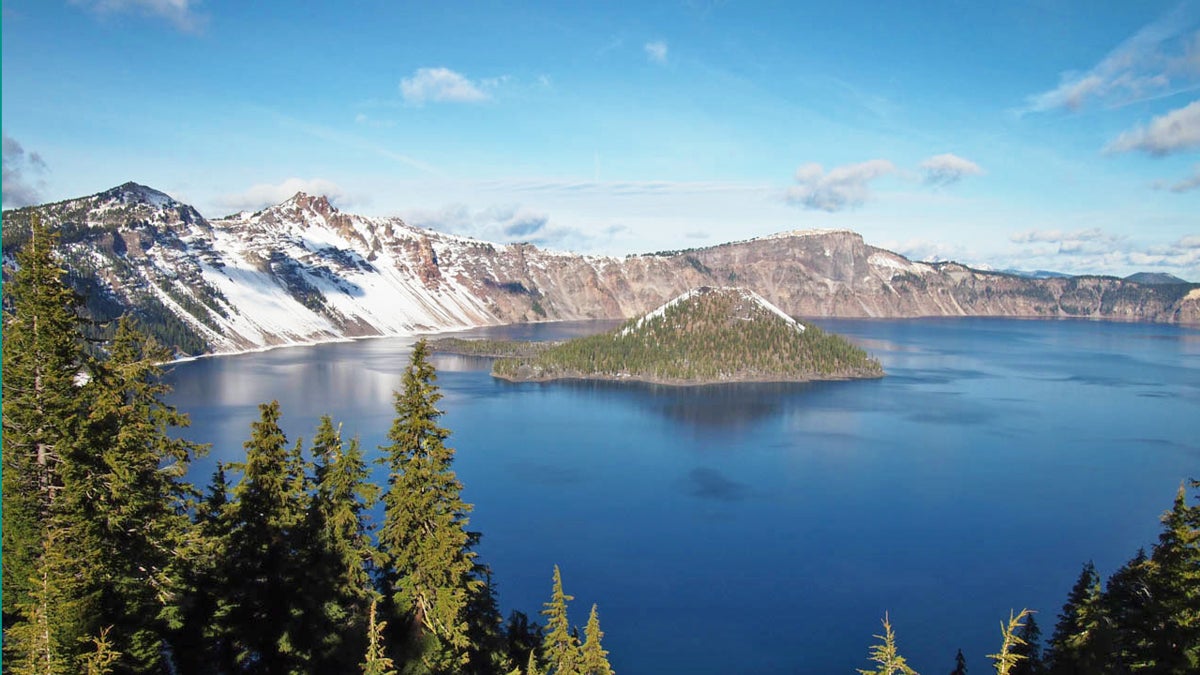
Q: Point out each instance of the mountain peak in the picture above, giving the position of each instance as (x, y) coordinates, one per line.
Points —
(136, 193)
(318, 203)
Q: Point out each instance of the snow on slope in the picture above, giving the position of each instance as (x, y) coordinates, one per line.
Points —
(745, 293)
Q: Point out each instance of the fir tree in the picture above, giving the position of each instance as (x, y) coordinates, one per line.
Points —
(201, 639)
(133, 491)
(1075, 644)
(1129, 607)
(960, 664)
(431, 567)
(264, 615)
(1029, 649)
(340, 585)
(523, 636)
(1174, 581)
(42, 409)
(886, 655)
(594, 660)
(560, 649)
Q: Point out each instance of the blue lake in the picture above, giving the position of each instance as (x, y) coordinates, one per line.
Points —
(767, 528)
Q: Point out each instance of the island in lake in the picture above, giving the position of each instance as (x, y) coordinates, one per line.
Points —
(707, 335)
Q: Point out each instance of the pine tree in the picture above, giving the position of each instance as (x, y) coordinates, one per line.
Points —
(340, 586)
(1174, 582)
(264, 616)
(131, 488)
(594, 659)
(1129, 606)
(960, 664)
(201, 639)
(431, 567)
(1076, 643)
(42, 409)
(523, 637)
(886, 655)
(1029, 649)
(560, 649)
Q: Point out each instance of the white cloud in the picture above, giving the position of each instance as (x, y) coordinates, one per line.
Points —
(1175, 131)
(1058, 236)
(263, 195)
(656, 51)
(1154, 61)
(948, 168)
(19, 188)
(1184, 185)
(504, 223)
(843, 187)
(181, 13)
(440, 85)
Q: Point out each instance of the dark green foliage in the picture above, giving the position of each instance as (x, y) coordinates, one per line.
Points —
(43, 411)
(1029, 649)
(131, 487)
(960, 664)
(713, 335)
(264, 617)
(490, 348)
(1075, 644)
(524, 637)
(341, 593)
(430, 573)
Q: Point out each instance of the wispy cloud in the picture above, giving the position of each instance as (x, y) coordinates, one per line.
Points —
(1093, 250)
(180, 13)
(948, 168)
(843, 187)
(1175, 131)
(1185, 185)
(263, 195)
(1159, 59)
(351, 141)
(19, 187)
(656, 51)
(441, 85)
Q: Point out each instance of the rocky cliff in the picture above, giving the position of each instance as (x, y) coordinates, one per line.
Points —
(303, 271)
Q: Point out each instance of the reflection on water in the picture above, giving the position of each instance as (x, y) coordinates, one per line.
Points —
(994, 459)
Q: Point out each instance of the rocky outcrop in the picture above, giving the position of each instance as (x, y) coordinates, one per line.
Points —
(304, 271)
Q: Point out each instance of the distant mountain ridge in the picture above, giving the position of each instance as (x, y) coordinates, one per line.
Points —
(302, 271)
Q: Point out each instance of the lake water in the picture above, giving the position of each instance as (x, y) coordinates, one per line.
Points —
(767, 528)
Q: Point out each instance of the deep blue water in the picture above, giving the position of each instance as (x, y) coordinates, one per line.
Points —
(767, 528)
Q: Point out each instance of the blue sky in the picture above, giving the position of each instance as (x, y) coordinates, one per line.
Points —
(1030, 133)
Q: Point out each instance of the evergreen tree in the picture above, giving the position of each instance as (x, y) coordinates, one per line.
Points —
(1029, 649)
(201, 640)
(42, 408)
(523, 636)
(960, 664)
(264, 614)
(560, 649)
(340, 586)
(431, 570)
(1075, 645)
(1128, 602)
(594, 660)
(1174, 581)
(132, 490)
(886, 655)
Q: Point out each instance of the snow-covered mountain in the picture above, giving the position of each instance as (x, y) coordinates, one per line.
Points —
(303, 271)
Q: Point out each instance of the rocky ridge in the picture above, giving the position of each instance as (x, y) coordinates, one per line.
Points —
(304, 271)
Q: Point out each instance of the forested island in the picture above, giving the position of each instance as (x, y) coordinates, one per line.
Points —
(704, 336)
